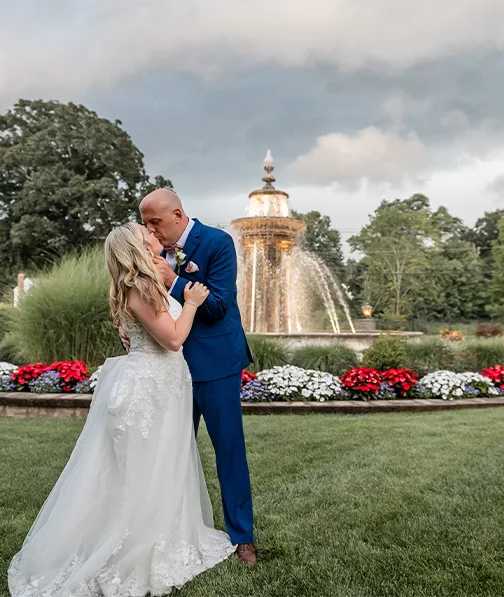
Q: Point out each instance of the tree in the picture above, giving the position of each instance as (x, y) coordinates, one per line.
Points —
(418, 263)
(393, 244)
(485, 232)
(322, 240)
(496, 307)
(67, 177)
(455, 288)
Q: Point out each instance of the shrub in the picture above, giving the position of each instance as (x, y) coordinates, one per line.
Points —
(335, 359)
(7, 346)
(6, 313)
(267, 353)
(488, 330)
(428, 355)
(66, 315)
(485, 353)
(386, 352)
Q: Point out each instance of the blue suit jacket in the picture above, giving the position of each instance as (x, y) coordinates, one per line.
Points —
(216, 346)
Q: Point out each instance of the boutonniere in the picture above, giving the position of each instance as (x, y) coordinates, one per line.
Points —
(179, 258)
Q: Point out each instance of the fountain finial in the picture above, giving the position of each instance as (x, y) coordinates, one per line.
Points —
(269, 166)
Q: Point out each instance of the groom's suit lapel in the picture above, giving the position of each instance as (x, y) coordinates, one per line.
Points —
(192, 241)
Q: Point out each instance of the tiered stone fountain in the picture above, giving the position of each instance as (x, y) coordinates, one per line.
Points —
(277, 279)
(268, 236)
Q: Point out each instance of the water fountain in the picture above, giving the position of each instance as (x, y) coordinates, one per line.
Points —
(278, 281)
(268, 236)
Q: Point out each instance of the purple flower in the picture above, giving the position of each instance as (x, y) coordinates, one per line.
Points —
(343, 394)
(256, 391)
(7, 385)
(47, 383)
(386, 392)
(471, 391)
(83, 387)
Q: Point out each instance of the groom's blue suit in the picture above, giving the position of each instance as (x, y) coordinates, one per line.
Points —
(216, 352)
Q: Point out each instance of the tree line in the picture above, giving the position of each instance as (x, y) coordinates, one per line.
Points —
(67, 176)
(413, 261)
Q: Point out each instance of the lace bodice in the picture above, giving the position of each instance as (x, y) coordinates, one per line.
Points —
(142, 341)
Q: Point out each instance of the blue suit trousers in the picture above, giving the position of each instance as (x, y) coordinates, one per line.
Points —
(219, 403)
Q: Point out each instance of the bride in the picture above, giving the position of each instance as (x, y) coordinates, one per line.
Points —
(130, 514)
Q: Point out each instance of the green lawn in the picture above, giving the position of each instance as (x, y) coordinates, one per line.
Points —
(399, 505)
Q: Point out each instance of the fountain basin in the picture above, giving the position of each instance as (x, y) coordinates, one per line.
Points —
(358, 341)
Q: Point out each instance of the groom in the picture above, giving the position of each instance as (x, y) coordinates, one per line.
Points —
(216, 349)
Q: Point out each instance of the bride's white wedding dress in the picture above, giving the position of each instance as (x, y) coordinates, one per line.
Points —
(130, 514)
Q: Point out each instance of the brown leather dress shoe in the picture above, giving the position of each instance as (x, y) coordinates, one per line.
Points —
(246, 552)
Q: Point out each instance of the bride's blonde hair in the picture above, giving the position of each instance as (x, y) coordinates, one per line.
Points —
(130, 266)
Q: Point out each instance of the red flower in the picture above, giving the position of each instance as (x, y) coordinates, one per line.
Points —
(247, 376)
(402, 380)
(22, 375)
(71, 371)
(496, 374)
(362, 379)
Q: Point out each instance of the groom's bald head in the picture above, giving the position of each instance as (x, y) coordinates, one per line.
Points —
(161, 198)
(163, 215)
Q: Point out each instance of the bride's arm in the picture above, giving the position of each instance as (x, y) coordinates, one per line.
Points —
(163, 328)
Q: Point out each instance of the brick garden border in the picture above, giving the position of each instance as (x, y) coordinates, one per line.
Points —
(67, 406)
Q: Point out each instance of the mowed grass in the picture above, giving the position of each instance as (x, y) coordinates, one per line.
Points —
(399, 505)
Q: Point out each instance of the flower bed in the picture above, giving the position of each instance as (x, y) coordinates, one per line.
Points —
(363, 383)
(40, 378)
(284, 383)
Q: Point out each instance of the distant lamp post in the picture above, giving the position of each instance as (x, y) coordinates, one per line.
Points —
(367, 310)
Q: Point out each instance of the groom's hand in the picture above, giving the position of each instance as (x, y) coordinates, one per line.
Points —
(169, 276)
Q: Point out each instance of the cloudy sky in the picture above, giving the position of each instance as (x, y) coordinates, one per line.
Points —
(358, 100)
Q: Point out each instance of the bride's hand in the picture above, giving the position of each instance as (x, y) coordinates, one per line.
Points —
(196, 293)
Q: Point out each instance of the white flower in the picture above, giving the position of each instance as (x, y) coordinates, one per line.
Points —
(296, 383)
(93, 380)
(179, 256)
(452, 385)
(7, 368)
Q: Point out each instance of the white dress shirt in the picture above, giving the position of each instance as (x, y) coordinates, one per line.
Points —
(170, 257)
